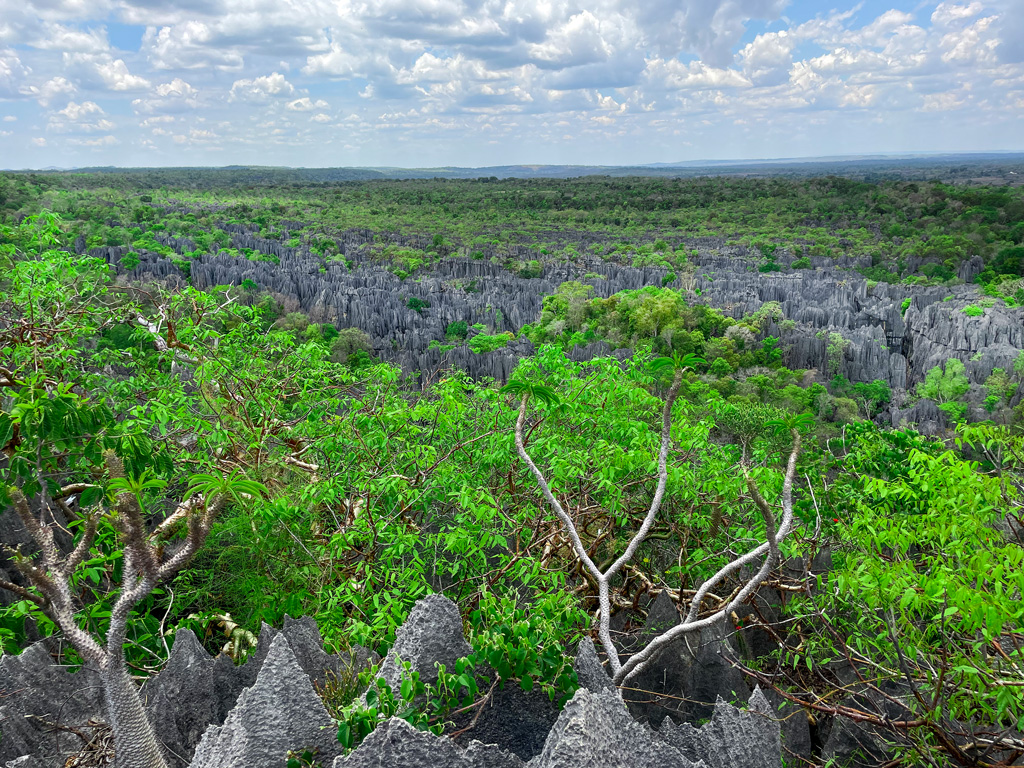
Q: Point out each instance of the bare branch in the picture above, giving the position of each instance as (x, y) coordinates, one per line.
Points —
(603, 579)
(638, 661)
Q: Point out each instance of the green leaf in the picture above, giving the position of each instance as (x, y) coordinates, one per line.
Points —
(6, 429)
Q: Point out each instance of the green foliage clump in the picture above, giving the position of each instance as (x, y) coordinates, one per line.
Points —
(416, 304)
(973, 311)
(457, 330)
(352, 347)
(482, 343)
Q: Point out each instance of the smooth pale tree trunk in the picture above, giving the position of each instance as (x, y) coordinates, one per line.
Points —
(135, 742)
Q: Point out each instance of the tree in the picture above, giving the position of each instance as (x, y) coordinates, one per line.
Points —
(944, 386)
(350, 341)
(776, 531)
(149, 559)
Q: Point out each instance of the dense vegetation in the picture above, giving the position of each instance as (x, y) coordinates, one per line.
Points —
(371, 495)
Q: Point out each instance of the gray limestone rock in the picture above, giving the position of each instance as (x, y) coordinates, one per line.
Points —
(514, 720)
(210, 686)
(25, 761)
(589, 672)
(432, 633)
(595, 731)
(281, 712)
(36, 692)
(733, 737)
(396, 744)
(689, 675)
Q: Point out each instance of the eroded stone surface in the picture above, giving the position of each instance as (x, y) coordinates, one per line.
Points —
(396, 744)
(281, 712)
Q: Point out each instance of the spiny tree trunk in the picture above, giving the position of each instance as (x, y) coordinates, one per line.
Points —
(135, 744)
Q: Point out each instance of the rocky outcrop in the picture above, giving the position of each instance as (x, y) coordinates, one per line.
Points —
(281, 712)
(595, 729)
(278, 710)
(732, 737)
(397, 744)
(42, 704)
(689, 676)
(431, 634)
(214, 685)
(358, 287)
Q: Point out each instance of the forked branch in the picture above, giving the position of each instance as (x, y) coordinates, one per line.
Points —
(603, 579)
(769, 550)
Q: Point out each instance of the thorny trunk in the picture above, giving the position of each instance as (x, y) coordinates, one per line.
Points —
(135, 741)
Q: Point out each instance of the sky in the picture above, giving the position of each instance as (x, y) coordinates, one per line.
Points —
(427, 83)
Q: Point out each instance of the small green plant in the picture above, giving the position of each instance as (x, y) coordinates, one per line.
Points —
(416, 304)
(482, 343)
(802, 263)
(905, 305)
(972, 310)
(457, 330)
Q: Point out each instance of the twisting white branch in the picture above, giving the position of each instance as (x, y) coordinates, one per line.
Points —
(691, 623)
(621, 673)
(603, 579)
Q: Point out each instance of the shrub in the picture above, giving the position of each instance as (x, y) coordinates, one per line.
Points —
(947, 385)
(484, 343)
(973, 311)
(348, 345)
(804, 263)
(416, 304)
(905, 305)
(720, 367)
(457, 330)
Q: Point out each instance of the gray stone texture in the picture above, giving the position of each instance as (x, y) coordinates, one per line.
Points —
(432, 633)
(357, 290)
(595, 731)
(688, 676)
(733, 737)
(281, 712)
(396, 744)
(589, 672)
(36, 692)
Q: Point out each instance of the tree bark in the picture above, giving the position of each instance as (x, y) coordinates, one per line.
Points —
(135, 742)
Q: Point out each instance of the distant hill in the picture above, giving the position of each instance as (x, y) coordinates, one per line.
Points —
(983, 167)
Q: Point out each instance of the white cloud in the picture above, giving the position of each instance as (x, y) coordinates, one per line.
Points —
(189, 45)
(973, 44)
(947, 14)
(58, 37)
(582, 39)
(102, 72)
(86, 117)
(39, 141)
(53, 89)
(674, 75)
(10, 119)
(175, 96)
(305, 104)
(766, 60)
(619, 75)
(334, 63)
(709, 28)
(12, 75)
(99, 141)
(261, 89)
